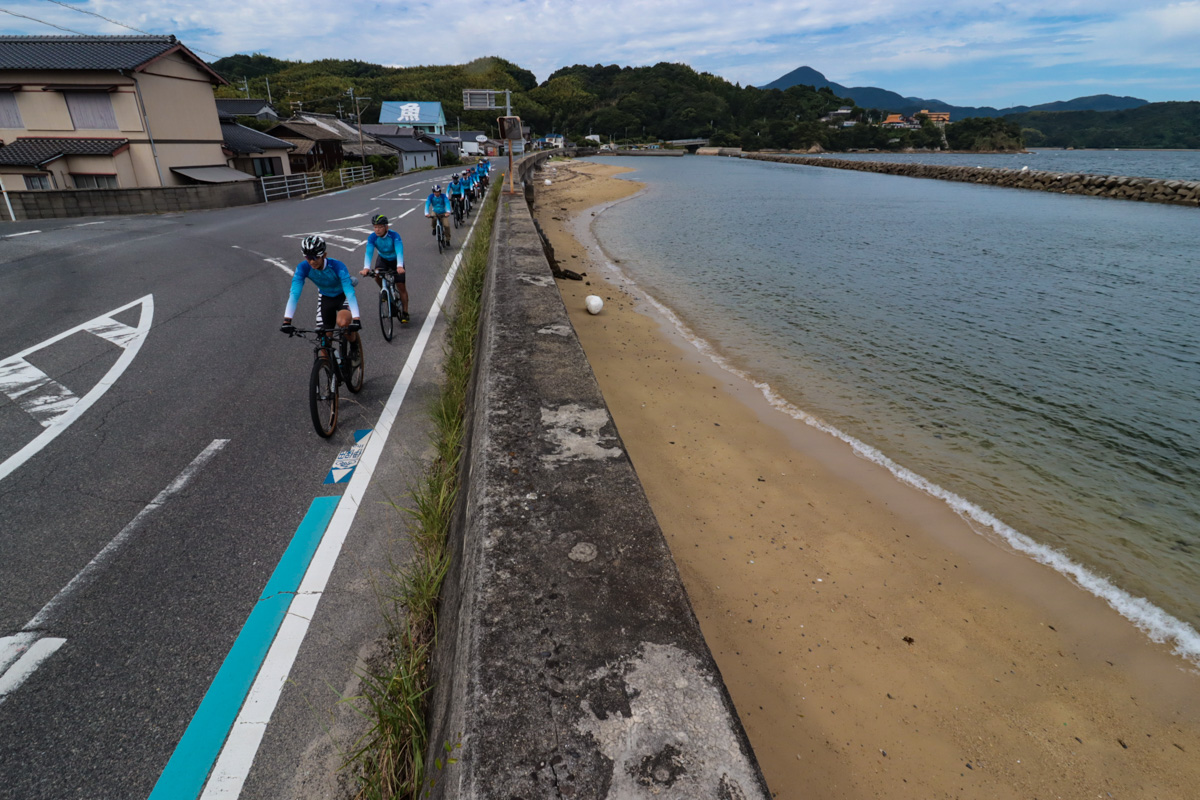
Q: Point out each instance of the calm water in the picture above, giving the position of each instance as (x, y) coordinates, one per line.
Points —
(1033, 359)
(1183, 165)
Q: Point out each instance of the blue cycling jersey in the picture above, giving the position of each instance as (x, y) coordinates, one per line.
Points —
(455, 188)
(331, 281)
(389, 246)
(439, 203)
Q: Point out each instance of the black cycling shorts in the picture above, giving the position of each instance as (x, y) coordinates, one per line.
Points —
(385, 264)
(328, 308)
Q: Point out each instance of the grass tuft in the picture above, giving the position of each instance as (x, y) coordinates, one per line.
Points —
(389, 759)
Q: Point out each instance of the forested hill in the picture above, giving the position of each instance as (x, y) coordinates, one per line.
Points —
(665, 101)
(1165, 125)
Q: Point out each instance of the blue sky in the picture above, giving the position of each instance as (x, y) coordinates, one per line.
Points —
(1020, 52)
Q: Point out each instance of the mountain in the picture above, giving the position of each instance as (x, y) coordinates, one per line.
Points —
(873, 97)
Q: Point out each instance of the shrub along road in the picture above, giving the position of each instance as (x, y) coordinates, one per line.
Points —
(137, 537)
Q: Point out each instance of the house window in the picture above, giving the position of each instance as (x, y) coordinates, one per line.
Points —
(266, 167)
(91, 110)
(94, 181)
(37, 182)
(10, 115)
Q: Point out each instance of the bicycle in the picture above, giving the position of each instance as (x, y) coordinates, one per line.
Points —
(389, 301)
(456, 203)
(331, 368)
(443, 238)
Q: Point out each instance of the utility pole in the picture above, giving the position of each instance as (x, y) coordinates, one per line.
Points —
(246, 86)
(268, 80)
(362, 151)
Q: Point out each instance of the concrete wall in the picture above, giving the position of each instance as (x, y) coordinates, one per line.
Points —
(1115, 186)
(569, 663)
(150, 200)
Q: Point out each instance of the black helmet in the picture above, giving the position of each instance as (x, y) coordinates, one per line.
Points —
(313, 246)
(379, 219)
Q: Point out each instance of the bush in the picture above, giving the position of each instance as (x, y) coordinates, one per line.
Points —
(451, 159)
(384, 165)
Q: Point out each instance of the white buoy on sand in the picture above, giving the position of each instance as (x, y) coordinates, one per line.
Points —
(594, 304)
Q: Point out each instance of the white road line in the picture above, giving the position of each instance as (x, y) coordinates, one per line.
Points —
(38, 652)
(279, 262)
(237, 755)
(335, 238)
(355, 216)
(110, 550)
(15, 235)
(62, 422)
(80, 225)
(406, 213)
(35, 392)
(11, 647)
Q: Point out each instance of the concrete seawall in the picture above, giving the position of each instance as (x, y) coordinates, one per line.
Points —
(569, 663)
(1118, 187)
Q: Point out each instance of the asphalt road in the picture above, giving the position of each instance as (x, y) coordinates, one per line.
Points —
(184, 481)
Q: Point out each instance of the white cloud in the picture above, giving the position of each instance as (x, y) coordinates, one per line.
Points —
(855, 42)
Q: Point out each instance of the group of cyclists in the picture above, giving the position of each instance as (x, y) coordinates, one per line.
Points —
(336, 301)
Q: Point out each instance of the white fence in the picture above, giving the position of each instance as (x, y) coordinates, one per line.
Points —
(298, 184)
(353, 175)
(295, 185)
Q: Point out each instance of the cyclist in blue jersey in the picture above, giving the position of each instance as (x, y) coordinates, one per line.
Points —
(437, 205)
(335, 292)
(457, 188)
(391, 257)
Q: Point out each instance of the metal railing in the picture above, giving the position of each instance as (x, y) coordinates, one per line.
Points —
(295, 185)
(353, 175)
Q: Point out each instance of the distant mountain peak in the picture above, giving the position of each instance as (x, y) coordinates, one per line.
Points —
(873, 97)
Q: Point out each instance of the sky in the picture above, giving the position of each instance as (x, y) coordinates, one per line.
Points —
(963, 52)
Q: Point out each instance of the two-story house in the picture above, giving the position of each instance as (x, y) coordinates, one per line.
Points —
(86, 112)
(425, 117)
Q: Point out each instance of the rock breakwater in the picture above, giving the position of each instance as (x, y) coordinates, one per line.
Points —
(1119, 187)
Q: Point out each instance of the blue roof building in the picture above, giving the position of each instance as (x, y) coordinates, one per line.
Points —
(424, 117)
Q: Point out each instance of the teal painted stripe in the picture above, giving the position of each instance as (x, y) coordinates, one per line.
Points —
(197, 751)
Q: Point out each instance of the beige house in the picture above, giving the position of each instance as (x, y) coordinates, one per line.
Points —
(97, 112)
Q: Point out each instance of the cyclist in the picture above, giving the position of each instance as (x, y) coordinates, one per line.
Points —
(335, 293)
(437, 206)
(391, 258)
(457, 189)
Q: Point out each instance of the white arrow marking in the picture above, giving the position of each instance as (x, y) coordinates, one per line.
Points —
(107, 328)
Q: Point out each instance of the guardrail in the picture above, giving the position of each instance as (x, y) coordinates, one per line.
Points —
(281, 187)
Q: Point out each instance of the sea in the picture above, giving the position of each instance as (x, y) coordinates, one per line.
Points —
(1032, 359)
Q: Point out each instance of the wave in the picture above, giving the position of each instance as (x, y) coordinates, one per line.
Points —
(1158, 625)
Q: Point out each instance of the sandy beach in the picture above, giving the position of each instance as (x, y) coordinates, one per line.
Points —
(874, 644)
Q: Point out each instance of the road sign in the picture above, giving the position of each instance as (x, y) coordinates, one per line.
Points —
(510, 127)
(479, 99)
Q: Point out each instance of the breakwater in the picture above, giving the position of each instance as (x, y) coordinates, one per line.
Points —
(1118, 187)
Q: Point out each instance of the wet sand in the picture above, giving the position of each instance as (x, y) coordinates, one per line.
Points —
(873, 643)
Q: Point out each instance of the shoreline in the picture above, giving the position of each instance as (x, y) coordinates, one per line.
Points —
(828, 563)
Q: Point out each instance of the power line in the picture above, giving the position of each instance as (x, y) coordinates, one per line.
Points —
(42, 21)
(113, 21)
(101, 16)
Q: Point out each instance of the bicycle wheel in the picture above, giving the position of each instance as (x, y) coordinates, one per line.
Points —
(323, 397)
(355, 372)
(385, 313)
(438, 236)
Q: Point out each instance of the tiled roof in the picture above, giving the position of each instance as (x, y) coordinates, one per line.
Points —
(88, 52)
(33, 152)
(241, 139)
(388, 130)
(407, 144)
(241, 106)
(303, 146)
(305, 130)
